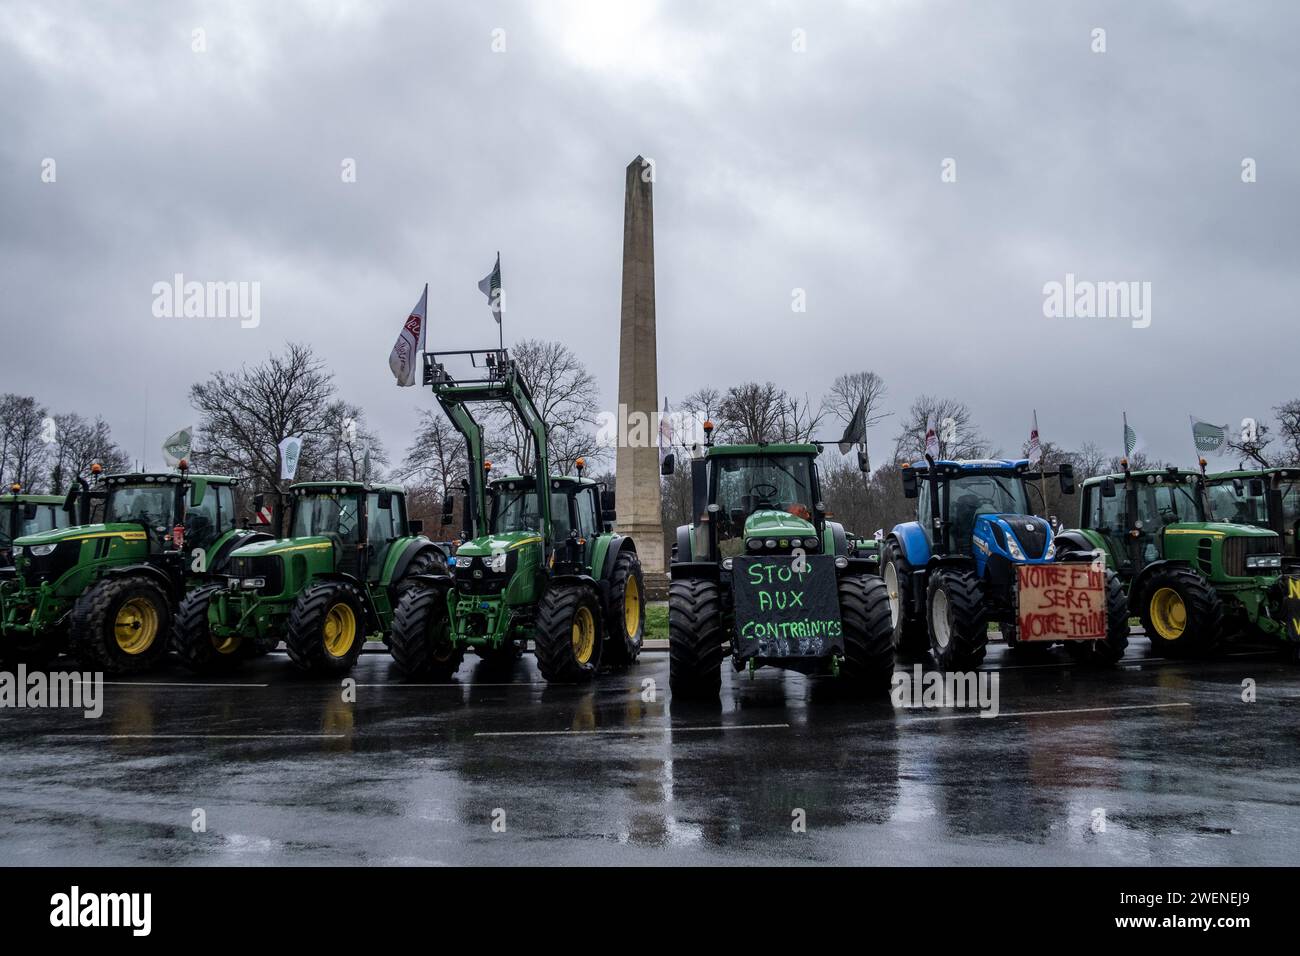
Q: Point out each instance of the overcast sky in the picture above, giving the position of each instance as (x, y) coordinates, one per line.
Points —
(776, 170)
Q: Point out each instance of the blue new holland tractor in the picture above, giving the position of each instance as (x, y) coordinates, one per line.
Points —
(966, 562)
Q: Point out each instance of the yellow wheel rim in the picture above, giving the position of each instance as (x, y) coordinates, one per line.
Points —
(226, 645)
(1168, 614)
(136, 626)
(340, 629)
(631, 607)
(584, 635)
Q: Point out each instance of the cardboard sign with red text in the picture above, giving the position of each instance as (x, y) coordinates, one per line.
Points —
(1061, 602)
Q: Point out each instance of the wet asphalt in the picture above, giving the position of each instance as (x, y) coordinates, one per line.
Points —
(1156, 762)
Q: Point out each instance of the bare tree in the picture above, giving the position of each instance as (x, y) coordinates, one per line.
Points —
(958, 436)
(24, 440)
(565, 394)
(437, 458)
(343, 450)
(854, 388)
(80, 444)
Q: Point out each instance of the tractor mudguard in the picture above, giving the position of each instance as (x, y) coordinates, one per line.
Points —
(372, 615)
(684, 547)
(152, 571)
(413, 548)
(218, 558)
(1139, 581)
(617, 545)
(838, 537)
(1077, 541)
(913, 542)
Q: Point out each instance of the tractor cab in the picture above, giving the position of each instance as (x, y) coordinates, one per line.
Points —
(1133, 523)
(1267, 498)
(581, 510)
(359, 521)
(21, 515)
(178, 511)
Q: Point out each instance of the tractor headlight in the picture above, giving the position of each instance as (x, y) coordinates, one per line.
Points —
(41, 550)
(1013, 548)
(1050, 552)
(841, 562)
(770, 544)
(497, 563)
(753, 544)
(810, 544)
(1258, 562)
(727, 564)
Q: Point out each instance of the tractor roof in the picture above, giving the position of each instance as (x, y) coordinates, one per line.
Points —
(1183, 474)
(980, 465)
(1253, 473)
(341, 487)
(563, 479)
(165, 477)
(764, 448)
(23, 499)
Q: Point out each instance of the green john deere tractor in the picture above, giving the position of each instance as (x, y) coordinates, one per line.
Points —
(1265, 498)
(763, 577)
(335, 579)
(541, 560)
(1192, 581)
(106, 592)
(21, 515)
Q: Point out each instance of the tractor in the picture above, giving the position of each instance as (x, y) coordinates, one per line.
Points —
(977, 554)
(764, 577)
(336, 578)
(1192, 581)
(540, 558)
(107, 592)
(1266, 498)
(21, 515)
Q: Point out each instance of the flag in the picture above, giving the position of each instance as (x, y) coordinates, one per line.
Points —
(1207, 437)
(931, 439)
(365, 464)
(290, 450)
(855, 432)
(1130, 438)
(176, 446)
(490, 286)
(665, 434)
(411, 340)
(1035, 449)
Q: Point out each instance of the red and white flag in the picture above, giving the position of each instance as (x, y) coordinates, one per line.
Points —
(1035, 449)
(402, 360)
(931, 440)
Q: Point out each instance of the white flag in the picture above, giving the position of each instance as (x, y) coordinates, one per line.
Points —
(665, 434)
(176, 447)
(931, 439)
(402, 359)
(290, 450)
(1035, 449)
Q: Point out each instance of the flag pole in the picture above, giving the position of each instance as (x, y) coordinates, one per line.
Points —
(501, 317)
(1042, 471)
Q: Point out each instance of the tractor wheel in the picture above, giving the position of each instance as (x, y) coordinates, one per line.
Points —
(567, 634)
(959, 631)
(694, 638)
(198, 648)
(868, 634)
(120, 625)
(420, 641)
(625, 622)
(1110, 650)
(426, 562)
(327, 628)
(908, 629)
(1180, 612)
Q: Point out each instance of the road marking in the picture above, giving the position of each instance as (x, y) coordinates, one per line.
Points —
(628, 730)
(196, 736)
(1042, 713)
(517, 683)
(159, 683)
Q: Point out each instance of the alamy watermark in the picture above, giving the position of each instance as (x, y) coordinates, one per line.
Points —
(935, 690)
(637, 429)
(179, 299)
(71, 690)
(1084, 299)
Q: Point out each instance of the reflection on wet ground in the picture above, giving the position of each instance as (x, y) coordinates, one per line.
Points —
(1158, 762)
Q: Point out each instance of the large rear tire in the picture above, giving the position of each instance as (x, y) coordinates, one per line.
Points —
(958, 624)
(625, 623)
(568, 635)
(908, 629)
(1109, 651)
(327, 628)
(195, 644)
(694, 639)
(1181, 613)
(420, 641)
(121, 625)
(868, 666)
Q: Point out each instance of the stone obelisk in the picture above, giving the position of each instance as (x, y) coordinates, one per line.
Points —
(637, 461)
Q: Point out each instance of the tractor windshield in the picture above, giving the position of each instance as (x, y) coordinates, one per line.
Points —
(1165, 503)
(152, 504)
(521, 511)
(749, 483)
(1237, 505)
(329, 515)
(973, 495)
(47, 519)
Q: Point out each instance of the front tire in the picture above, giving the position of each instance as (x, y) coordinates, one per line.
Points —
(420, 641)
(694, 639)
(625, 624)
(198, 648)
(868, 666)
(327, 628)
(120, 625)
(568, 636)
(959, 632)
(908, 629)
(1181, 613)
(1107, 652)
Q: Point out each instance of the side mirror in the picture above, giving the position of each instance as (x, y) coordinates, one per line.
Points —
(911, 487)
(1257, 487)
(669, 464)
(607, 510)
(1238, 486)
(448, 508)
(1067, 479)
(259, 501)
(385, 501)
(70, 501)
(1108, 487)
(414, 527)
(864, 465)
(29, 512)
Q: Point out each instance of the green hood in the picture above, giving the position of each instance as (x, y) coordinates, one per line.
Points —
(80, 531)
(777, 524)
(282, 546)
(492, 543)
(1219, 527)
